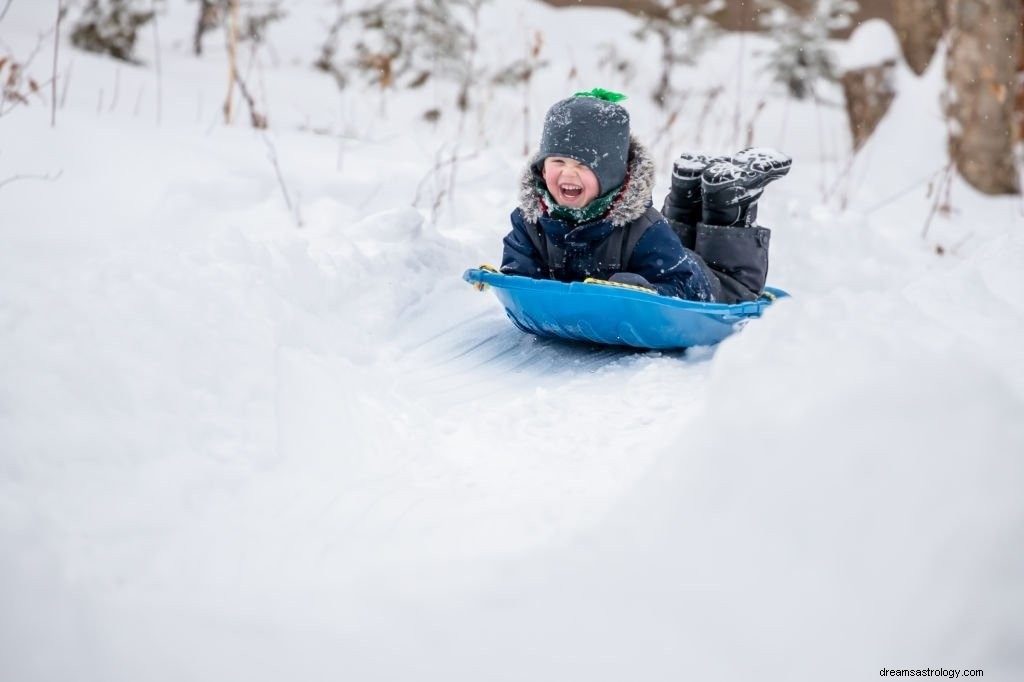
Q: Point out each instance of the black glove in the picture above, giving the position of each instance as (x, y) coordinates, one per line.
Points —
(633, 279)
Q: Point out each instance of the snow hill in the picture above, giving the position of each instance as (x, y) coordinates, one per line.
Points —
(253, 425)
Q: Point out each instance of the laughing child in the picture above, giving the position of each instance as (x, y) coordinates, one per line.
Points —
(585, 210)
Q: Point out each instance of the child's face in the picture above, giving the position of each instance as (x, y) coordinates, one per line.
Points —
(569, 181)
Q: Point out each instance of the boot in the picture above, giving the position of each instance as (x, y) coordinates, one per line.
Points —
(771, 162)
(730, 188)
(683, 203)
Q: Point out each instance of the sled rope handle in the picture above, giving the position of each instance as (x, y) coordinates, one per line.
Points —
(621, 285)
(769, 295)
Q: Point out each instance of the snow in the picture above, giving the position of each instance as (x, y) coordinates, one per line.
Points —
(232, 447)
(871, 43)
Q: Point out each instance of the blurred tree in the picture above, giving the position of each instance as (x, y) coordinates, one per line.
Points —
(1019, 94)
(868, 91)
(981, 72)
(919, 25)
(255, 17)
(683, 33)
(742, 15)
(801, 55)
(406, 43)
(111, 27)
(210, 13)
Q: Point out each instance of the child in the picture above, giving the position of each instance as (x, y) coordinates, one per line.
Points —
(585, 210)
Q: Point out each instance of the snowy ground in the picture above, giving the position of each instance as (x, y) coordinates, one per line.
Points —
(236, 448)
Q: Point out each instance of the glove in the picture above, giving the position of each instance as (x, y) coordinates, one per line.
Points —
(632, 279)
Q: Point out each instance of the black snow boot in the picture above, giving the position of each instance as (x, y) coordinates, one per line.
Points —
(730, 188)
(683, 205)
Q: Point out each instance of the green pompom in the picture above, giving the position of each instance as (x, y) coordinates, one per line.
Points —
(601, 93)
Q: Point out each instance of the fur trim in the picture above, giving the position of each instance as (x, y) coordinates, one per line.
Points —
(631, 203)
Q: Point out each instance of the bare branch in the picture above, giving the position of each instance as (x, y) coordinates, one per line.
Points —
(272, 156)
(232, 59)
(67, 83)
(435, 174)
(56, 48)
(47, 177)
(159, 72)
(941, 193)
(257, 119)
(18, 85)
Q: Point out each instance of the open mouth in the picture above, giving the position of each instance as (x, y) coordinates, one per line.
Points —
(570, 191)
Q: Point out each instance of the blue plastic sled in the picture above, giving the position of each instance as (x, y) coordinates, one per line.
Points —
(617, 315)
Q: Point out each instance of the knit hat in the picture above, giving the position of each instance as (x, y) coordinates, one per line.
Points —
(591, 128)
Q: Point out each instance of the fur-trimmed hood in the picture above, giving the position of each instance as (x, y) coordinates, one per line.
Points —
(628, 206)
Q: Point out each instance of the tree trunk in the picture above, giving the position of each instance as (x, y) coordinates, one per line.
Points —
(1019, 93)
(982, 76)
(919, 25)
(869, 91)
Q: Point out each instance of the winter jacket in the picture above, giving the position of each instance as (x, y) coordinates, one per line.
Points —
(543, 247)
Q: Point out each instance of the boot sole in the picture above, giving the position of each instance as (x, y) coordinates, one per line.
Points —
(764, 160)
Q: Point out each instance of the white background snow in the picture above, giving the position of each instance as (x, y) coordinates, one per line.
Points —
(233, 448)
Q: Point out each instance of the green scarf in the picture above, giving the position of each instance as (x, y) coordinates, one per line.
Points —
(595, 209)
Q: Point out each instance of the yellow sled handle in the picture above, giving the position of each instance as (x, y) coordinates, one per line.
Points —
(620, 285)
(481, 286)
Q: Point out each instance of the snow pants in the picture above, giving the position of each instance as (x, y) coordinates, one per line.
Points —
(736, 258)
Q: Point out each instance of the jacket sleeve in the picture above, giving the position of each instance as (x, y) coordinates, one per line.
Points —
(520, 257)
(673, 269)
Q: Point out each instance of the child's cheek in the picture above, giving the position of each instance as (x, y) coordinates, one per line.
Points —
(551, 181)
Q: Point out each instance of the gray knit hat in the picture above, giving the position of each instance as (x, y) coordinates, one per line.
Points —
(591, 128)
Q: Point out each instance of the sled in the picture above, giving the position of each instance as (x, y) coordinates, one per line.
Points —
(614, 314)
